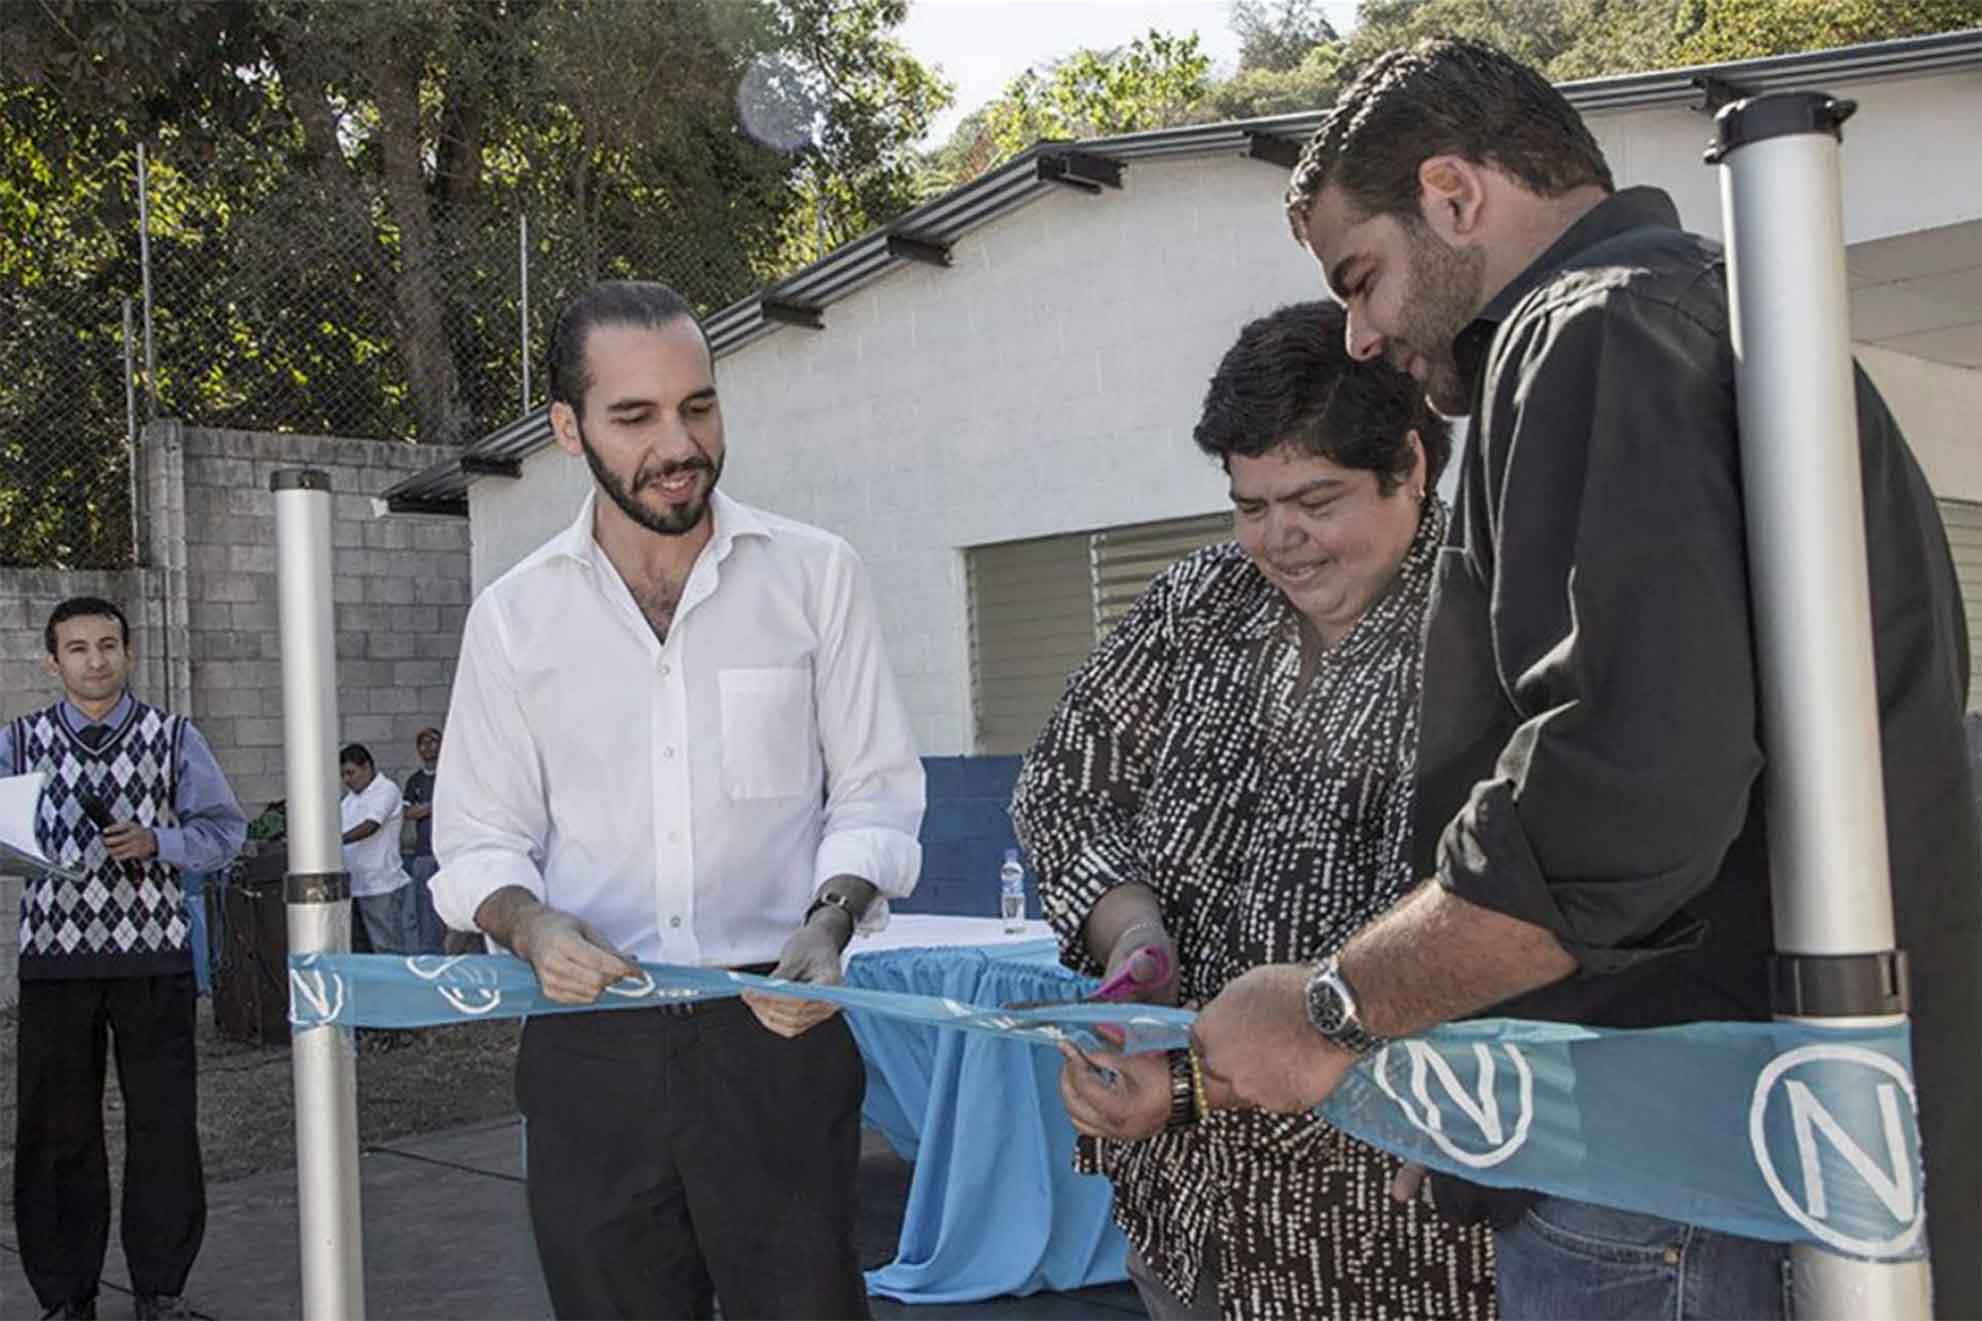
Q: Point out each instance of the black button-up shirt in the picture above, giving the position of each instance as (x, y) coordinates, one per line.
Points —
(1591, 757)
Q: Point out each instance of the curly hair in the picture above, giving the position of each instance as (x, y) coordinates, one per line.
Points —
(1289, 380)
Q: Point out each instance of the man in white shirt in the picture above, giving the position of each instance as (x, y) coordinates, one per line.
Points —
(371, 815)
(674, 738)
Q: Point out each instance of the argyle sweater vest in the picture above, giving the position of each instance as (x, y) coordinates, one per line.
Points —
(123, 919)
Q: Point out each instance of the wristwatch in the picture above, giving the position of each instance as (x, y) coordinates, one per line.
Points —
(1332, 1009)
(834, 899)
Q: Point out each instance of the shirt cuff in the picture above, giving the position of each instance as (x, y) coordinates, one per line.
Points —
(468, 878)
(889, 860)
(171, 841)
(1069, 898)
(1485, 858)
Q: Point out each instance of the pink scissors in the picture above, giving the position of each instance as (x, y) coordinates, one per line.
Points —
(1155, 960)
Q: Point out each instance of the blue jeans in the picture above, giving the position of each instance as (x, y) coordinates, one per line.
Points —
(426, 931)
(1572, 1259)
(384, 916)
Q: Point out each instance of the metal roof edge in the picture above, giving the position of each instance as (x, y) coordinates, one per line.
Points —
(852, 265)
(740, 322)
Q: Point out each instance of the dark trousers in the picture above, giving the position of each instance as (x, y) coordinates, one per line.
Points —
(61, 1169)
(678, 1156)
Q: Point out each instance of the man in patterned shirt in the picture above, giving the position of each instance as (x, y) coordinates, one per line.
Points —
(133, 800)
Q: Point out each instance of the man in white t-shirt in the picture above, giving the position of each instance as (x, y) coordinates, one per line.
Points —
(371, 817)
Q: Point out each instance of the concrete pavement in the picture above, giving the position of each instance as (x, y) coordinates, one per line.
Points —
(447, 1235)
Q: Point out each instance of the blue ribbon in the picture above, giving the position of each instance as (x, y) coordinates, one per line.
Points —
(1775, 1131)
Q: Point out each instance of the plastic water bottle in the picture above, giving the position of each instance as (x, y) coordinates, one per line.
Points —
(1011, 892)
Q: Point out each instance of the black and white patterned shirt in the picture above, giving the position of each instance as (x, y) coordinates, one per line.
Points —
(1272, 820)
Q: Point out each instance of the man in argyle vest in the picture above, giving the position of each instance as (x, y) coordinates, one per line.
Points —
(133, 799)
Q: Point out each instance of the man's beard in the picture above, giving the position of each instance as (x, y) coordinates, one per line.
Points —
(675, 521)
(1443, 297)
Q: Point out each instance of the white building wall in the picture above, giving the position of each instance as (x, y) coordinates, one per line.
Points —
(1909, 161)
(1048, 381)
(512, 518)
(1940, 410)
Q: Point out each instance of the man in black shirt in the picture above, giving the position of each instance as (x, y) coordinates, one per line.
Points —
(1591, 767)
(425, 932)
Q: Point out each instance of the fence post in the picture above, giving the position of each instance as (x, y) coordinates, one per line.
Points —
(523, 301)
(144, 270)
(131, 432)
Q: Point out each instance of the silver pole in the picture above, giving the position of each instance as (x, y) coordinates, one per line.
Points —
(523, 300)
(319, 898)
(131, 431)
(144, 271)
(1789, 310)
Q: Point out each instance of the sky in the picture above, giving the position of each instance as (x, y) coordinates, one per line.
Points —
(980, 45)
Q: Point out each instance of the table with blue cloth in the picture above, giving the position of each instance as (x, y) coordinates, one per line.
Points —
(994, 1205)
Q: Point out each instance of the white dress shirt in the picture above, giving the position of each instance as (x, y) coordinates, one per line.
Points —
(686, 799)
(374, 860)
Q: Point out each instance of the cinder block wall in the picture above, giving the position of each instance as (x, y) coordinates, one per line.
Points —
(400, 587)
(203, 609)
(965, 832)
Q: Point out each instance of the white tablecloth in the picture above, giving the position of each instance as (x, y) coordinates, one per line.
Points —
(918, 930)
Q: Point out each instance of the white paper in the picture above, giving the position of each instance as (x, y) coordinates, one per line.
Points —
(20, 798)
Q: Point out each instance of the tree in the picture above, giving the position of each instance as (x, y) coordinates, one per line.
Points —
(1571, 39)
(1711, 31)
(874, 100)
(1155, 80)
(1255, 93)
(335, 192)
(398, 139)
(1534, 31)
(1275, 36)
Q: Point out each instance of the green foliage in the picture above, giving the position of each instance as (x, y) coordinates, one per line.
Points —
(335, 191)
(1744, 29)
(874, 102)
(1256, 93)
(1155, 80)
(1532, 30)
(1275, 36)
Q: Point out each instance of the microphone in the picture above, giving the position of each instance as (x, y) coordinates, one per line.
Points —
(95, 809)
(98, 812)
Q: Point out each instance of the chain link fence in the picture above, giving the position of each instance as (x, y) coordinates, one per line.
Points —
(295, 308)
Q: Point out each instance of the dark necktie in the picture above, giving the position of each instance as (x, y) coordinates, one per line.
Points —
(93, 736)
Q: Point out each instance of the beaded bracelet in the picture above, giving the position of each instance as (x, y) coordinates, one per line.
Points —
(1197, 1083)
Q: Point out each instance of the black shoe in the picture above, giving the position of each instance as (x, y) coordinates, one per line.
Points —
(161, 1307)
(82, 1308)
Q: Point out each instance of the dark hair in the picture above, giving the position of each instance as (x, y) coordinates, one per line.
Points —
(1289, 380)
(355, 754)
(84, 607)
(607, 303)
(1443, 96)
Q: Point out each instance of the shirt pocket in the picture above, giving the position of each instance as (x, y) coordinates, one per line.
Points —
(768, 732)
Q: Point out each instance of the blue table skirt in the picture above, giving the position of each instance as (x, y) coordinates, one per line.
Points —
(995, 1206)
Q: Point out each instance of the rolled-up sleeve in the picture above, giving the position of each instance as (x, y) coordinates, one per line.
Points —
(875, 790)
(1083, 783)
(1619, 613)
(491, 818)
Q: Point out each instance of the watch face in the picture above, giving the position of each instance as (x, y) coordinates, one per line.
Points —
(1326, 1009)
